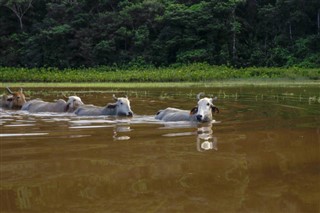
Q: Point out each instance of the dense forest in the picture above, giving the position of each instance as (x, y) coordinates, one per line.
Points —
(90, 33)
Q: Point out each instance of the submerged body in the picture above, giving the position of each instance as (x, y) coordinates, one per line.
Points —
(174, 114)
(95, 110)
(38, 105)
(120, 108)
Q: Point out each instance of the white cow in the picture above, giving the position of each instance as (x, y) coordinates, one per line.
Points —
(120, 108)
(38, 105)
(201, 113)
(5, 101)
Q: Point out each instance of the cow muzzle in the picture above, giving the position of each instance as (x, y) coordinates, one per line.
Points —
(199, 118)
(129, 114)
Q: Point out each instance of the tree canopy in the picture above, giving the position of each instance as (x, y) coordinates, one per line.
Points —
(89, 33)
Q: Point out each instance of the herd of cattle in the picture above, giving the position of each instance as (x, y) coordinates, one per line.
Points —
(16, 100)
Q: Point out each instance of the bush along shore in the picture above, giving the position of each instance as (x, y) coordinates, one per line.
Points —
(182, 73)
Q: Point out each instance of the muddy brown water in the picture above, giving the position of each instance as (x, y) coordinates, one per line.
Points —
(260, 155)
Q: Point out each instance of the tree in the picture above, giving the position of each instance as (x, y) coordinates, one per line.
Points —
(318, 21)
(229, 8)
(75, 33)
(18, 7)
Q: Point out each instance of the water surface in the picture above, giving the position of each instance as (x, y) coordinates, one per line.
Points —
(260, 155)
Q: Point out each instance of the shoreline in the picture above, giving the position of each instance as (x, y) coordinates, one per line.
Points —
(209, 84)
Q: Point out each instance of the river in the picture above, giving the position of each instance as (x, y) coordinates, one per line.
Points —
(260, 154)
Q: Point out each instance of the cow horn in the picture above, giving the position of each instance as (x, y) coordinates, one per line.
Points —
(198, 96)
(64, 95)
(114, 97)
(9, 91)
(214, 99)
(21, 90)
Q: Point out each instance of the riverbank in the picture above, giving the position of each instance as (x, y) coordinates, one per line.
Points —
(183, 73)
(211, 84)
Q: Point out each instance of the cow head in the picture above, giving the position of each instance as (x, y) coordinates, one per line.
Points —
(16, 99)
(73, 103)
(121, 107)
(203, 111)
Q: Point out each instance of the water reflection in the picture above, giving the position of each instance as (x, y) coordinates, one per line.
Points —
(204, 134)
(205, 139)
(121, 129)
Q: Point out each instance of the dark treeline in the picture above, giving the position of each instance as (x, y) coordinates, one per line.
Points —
(88, 33)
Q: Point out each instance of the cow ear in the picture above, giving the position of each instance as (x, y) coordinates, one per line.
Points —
(111, 106)
(215, 109)
(194, 110)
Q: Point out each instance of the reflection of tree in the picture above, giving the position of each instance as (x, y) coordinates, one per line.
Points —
(205, 139)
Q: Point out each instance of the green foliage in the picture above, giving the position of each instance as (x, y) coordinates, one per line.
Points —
(190, 56)
(197, 72)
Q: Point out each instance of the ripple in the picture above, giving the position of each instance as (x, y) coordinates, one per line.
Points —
(179, 134)
(178, 124)
(22, 134)
(121, 138)
(17, 125)
(50, 114)
(89, 127)
(61, 119)
(81, 122)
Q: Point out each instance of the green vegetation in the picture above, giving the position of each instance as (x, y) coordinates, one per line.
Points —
(122, 85)
(188, 73)
(158, 33)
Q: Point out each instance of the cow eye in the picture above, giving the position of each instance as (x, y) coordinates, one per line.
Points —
(208, 104)
(121, 103)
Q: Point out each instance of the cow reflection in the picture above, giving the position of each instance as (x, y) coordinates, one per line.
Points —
(119, 130)
(205, 139)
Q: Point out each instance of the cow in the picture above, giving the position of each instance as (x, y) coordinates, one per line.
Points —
(5, 101)
(120, 108)
(38, 105)
(14, 100)
(201, 113)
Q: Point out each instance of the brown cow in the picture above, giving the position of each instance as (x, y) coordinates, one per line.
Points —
(13, 101)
